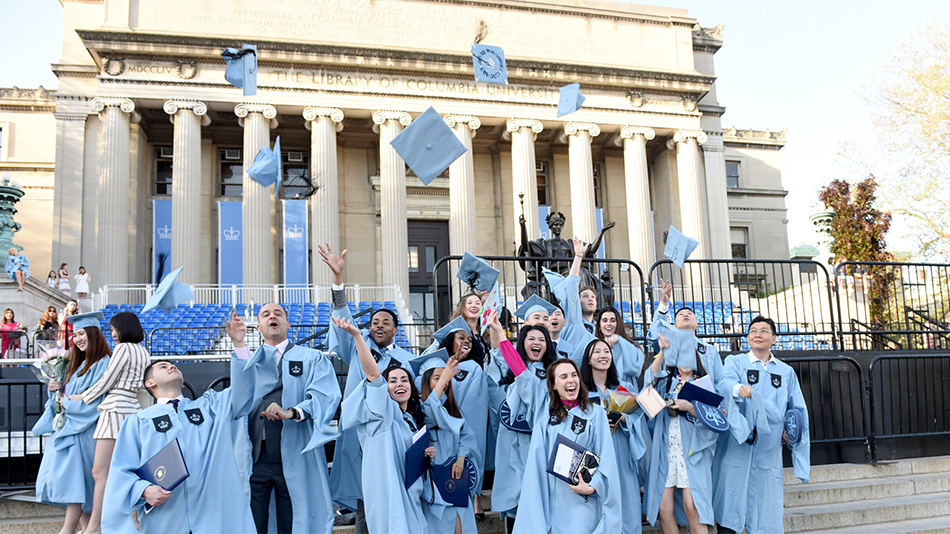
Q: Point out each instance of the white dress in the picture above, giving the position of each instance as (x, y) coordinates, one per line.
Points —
(82, 283)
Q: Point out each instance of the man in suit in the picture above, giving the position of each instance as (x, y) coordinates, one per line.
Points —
(286, 432)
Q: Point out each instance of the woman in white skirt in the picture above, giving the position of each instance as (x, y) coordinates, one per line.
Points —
(82, 282)
(122, 381)
(64, 279)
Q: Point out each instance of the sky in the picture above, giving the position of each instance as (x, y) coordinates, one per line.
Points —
(799, 65)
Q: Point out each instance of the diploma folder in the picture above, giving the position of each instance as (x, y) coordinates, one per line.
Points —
(691, 392)
(416, 456)
(568, 460)
(166, 469)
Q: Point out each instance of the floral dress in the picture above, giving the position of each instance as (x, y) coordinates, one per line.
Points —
(676, 476)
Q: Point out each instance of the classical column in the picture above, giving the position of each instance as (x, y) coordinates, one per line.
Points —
(524, 173)
(258, 201)
(639, 221)
(67, 212)
(583, 206)
(324, 123)
(686, 143)
(114, 161)
(188, 116)
(717, 200)
(392, 201)
(462, 188)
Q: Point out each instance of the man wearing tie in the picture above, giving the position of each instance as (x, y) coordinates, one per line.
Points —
(285, 433)
(345, 480)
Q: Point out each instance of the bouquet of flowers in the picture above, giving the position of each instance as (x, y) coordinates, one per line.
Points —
(622, 401)
(53, 365)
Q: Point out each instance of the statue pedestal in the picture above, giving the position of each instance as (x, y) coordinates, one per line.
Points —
(28, 305)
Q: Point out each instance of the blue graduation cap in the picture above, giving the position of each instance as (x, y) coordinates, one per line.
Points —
(682, 349)
(489, 62)
(679, 246)
(170, 293)
(242, 68)
(711, 417)
(532, 305)
(267, 167)
(477, 273)
(84, 320)
(428, 145)
(453, 326)
(554, 279)
(431, 360)
(794, 422)
(571, 99)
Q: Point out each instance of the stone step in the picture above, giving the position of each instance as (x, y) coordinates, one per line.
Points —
(25, 506)
(492, 524)
(31, 525)
(840, 472)
(931, 525)
(868, 512)
(864, 489)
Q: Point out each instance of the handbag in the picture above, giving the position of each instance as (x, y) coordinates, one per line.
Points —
(651, 401)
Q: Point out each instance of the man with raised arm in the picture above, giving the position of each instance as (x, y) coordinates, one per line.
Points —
(282, 439)
(210, 500)
(345, 479)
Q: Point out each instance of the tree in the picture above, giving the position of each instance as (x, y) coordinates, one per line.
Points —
(910, 109)
(858, 228)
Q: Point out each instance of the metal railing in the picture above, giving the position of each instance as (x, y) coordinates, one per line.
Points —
(21, 404)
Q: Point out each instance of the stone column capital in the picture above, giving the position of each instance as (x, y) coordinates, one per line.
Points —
(535, 125)
(682, 135)
(267, 110)
(312, 113)
(102, 102)
(573, 128)
(627, 132)
(380, 117)
(473, 123)
(195, 106)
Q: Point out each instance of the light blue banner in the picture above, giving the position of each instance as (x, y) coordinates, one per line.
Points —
(543, 212)
(161, 239)
(230, 244)
(296, 250)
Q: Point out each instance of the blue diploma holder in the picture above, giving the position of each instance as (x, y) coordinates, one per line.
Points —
(416, 457)
(455, 491)
(692, 393)
(166, 469)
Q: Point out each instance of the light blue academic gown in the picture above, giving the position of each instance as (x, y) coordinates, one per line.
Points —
(65, 474)
(211, 500)
(629, 361)
(511, 450)
(451, 437)
(17, 263)
(629, 447)
(574, 335)
(747, 479)
(384, 435)
(315, 390)
(547, 503)
(346, 484)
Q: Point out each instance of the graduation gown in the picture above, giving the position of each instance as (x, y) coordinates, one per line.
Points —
(309, 383)
(547, 502)
(748, 481)
(629, 447)
(384, 435)
(211, 500)
(511, 450)
(65, 474)
(451, 437)
(346, 485)
(574, 335)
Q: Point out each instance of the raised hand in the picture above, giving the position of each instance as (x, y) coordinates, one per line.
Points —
(346, 325)
(666, 291)
(334, 262)
(580, 247)
(236, 330)
(452, 366)
(664, 343)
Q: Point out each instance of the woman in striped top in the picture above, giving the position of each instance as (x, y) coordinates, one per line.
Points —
(122, 381)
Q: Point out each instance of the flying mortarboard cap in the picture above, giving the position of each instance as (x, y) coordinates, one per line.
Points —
(456, 324)
(679, 246)
(170, 293)
(571, 99)
(477, 273)
(428, 145)
(431, 360)
(534, 304)
(84, 320)
(242, 68)
(682, 350)
(267, 167)
(489, 62)
(554, 279)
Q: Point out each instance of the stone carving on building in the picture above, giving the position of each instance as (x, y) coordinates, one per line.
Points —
(560, 254)
(10, 194)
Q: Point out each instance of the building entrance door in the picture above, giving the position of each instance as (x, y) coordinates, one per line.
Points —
(428, 241)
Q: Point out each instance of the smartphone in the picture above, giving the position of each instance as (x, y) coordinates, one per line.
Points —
(613, 417)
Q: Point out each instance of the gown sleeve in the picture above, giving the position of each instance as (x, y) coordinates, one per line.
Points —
(340, 341)
(606, 481)
(801, 452)
(512, 358)
(369, 407)
(321, 401)
(251, 379)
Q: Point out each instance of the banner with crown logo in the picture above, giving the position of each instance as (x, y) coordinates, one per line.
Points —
(230, 244)
(161, 239)
(296, 249)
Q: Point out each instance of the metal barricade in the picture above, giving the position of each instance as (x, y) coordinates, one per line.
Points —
(21, 404)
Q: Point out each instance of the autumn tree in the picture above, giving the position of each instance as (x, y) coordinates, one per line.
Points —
(858, 228)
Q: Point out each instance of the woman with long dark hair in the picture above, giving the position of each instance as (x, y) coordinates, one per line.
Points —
(592, 503)
(600, 377)
(120, 384)
(65, 475)
(628, 355)
(453, 439)
(386, 414)
(522, 392)
(11, 332)
(65, 327)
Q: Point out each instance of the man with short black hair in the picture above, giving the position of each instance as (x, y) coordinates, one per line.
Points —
(210, 500)
(747, 476)
(346, 478)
